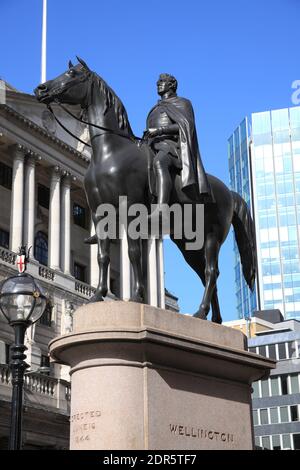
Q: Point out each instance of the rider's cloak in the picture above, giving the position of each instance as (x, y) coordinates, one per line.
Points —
(193, 176)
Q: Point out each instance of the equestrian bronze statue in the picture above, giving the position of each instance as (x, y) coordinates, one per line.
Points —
(120, 165)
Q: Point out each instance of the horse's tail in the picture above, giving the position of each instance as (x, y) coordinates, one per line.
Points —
(245, 236)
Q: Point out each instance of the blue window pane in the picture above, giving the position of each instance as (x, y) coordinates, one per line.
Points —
(295, 117)
(261, 123)
(280, 119)
(41, 248)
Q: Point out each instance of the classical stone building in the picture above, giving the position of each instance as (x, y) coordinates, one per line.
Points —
(43, 205)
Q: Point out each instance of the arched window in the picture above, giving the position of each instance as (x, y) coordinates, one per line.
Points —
(41, 248)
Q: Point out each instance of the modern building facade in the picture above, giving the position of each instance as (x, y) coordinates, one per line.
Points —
(275, 400)
(239, 161)
(43, 205)
(264, 164)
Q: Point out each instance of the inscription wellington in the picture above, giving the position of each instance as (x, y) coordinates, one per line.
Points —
(200, 433)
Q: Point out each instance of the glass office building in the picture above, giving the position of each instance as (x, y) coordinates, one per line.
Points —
(264, 163)
(240, 181)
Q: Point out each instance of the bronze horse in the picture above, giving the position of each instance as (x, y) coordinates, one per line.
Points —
(119, 167)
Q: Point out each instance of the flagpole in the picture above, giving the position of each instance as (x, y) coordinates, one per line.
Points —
(44, 42)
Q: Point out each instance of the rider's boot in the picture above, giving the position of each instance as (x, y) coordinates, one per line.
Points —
(164, 188)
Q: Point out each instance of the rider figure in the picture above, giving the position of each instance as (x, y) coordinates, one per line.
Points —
(171, 133)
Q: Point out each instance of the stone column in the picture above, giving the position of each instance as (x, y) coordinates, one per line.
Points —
(152, 273)
(29, 203)
(66, 224)
(94, 269)
(54, 220)
(16, 216)
(125, 278)
(160, 273)
(108, 279)
(33, 352)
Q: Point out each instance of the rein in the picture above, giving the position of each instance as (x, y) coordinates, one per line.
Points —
(65, 129)
(105, 129)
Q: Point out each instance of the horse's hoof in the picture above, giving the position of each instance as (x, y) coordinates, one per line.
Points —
(97, 297)
(137, 298)
(217, 320)
(200, 314)
(138, 295)
(91, 240)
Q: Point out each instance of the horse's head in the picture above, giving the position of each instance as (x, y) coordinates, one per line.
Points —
(71, 87)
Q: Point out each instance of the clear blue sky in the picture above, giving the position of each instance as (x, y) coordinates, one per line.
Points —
(231, 58)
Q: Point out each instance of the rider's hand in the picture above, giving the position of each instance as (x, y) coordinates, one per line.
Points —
(150, 133)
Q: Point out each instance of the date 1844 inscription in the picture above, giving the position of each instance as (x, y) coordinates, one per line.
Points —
(84, 424)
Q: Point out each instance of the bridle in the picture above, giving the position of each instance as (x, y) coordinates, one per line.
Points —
(82, 121)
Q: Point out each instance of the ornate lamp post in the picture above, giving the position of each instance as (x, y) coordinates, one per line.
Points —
(22, 303)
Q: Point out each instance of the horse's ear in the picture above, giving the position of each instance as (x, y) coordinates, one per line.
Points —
(70, 64)
(84, 64)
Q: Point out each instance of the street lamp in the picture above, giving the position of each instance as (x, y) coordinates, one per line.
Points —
(22, 303)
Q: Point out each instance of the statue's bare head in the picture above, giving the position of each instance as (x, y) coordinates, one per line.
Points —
(166, 83)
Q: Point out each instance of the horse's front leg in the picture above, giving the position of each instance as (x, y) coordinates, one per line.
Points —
(211, 249)
(134, 253)
(216, 314)
(103, 263)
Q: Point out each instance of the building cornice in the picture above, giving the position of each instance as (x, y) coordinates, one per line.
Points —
(8, 111)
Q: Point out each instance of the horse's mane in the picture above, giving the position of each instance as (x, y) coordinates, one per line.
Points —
(111, 100)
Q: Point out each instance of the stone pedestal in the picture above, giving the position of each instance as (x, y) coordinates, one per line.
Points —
(147, 378)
